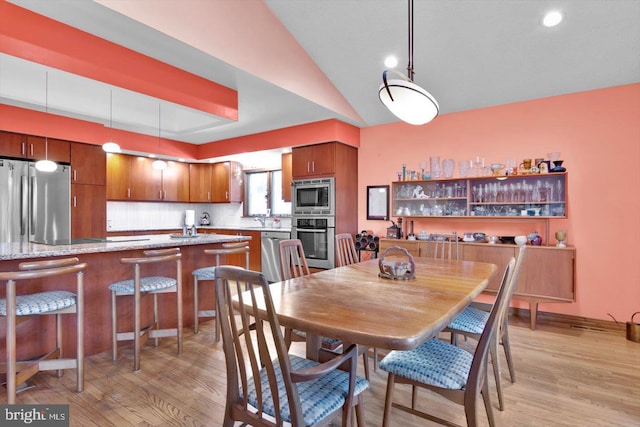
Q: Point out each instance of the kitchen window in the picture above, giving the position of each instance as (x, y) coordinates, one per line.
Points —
(263, 190)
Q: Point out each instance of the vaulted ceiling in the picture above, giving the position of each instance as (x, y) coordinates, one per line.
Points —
(291, 62)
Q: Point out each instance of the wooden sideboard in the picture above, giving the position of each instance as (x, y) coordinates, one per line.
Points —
(547, 275)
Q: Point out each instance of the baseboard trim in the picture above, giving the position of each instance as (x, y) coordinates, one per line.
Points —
(565, 320)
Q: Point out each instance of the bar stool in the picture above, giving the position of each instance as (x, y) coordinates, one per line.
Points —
(208, 273)
(153, 285)
(57, 302)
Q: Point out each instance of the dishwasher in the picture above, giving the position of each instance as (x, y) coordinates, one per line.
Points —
(270, 253)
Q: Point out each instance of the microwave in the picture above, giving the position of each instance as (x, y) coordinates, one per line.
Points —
(313, 196)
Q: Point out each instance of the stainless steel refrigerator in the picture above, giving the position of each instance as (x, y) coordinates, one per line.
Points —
(35, 206)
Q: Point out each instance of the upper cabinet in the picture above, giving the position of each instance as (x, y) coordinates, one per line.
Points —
(215, 183)
(133, 178)
(314, 160)
(286, 176)
(88, 164)
(200, 182)
(226, 186)
(31, 147)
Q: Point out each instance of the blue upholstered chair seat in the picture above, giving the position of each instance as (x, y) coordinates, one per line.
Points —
(318, 397)
(205, 273)
(435, 363)
(40, 303)
(471, 320)
(147, 284)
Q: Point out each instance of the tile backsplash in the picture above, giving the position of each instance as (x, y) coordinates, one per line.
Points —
(127, 216)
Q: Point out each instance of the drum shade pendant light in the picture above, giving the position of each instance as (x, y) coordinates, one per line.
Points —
(405, 99)
(159, 164)
(46, 165)
(110, 146)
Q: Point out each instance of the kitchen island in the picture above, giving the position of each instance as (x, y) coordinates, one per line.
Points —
(103, 268)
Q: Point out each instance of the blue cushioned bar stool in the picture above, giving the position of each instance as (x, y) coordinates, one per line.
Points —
(153, 285)
(57, 302)
(208, 273)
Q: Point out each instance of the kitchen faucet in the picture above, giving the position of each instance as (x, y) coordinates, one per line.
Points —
(262, 218)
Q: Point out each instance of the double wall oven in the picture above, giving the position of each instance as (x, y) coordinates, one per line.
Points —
(314, 219)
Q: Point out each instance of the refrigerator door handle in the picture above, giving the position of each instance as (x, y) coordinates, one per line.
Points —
(24, 200)
(32, 211)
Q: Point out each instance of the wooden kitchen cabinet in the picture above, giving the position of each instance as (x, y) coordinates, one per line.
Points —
(226, 185)
(287, 176)
(200, 182)
(547, 273)
(88, 164)
(314, 160)
(88, 210)
(175, 182)
(133, 178)
(31, 147)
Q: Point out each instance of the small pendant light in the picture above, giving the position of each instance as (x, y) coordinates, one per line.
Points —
(110, 146)
(159, 164)
(46, 165)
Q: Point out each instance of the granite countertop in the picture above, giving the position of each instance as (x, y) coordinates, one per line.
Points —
(211, 227)
(10, 251)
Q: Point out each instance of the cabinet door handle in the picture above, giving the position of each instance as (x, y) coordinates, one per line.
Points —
(128, 192)
(226, 195)
(31, 150)
(75, 175)
(308, 167)
(313, 166)
(75, 202)
(23, 150)
(209, 196)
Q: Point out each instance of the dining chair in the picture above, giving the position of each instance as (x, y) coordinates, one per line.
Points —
(267, 386)
(472, 322)
(345, 250)
(346, 255)
(54, 302)
(149, 285)
(443, 246)
(446, 369)
(293, 263)
(208, 274)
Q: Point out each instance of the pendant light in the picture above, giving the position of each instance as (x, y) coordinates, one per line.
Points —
(405, 99)
(159, 164)
(110, 146)
(46, 165)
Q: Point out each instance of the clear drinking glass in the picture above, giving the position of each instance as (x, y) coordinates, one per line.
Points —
(448, 167)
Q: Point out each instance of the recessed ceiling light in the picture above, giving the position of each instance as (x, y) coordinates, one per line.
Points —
(552, 18)
(390, 61)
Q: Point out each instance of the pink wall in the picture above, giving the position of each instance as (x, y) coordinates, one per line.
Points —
(598, 135)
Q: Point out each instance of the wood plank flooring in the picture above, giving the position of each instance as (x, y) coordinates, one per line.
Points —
(565, 377)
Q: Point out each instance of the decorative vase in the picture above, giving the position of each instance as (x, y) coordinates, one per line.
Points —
(557, 166)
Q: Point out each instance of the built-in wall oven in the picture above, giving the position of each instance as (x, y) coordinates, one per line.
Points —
(317, 234)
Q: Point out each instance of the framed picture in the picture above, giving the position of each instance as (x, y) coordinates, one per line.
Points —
(378, 202)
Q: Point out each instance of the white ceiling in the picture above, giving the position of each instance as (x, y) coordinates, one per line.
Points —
(468, 53)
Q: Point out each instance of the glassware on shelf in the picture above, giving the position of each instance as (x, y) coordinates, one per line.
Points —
(448, 167)
(561, 237)
(465, 167)
(434, 163)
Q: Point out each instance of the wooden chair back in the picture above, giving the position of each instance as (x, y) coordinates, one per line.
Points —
(443, 246)
(293, 262)
(345, 250)
(246, 352)
(231, 249)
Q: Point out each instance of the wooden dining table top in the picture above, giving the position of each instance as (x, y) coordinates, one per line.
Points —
(352, 303)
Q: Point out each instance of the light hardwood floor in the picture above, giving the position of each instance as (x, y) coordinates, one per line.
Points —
(565, 377)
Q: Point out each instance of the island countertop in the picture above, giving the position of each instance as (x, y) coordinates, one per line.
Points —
(104, 266)
(10, 251)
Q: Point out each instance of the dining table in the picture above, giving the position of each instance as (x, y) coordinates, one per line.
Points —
(356, 305)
